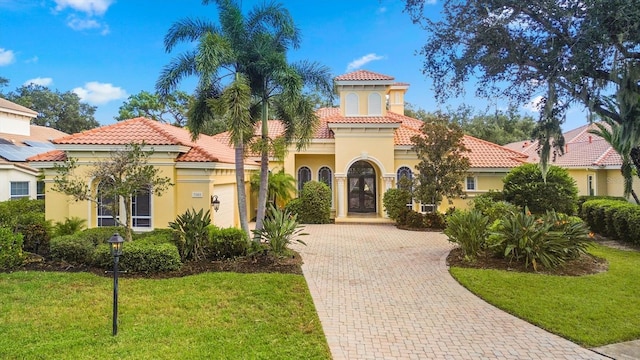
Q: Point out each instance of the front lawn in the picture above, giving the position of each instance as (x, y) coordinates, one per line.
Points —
(590, 310)
(208, 316)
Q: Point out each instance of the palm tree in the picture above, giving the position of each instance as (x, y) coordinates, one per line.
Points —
(254, 47)
(282, 186)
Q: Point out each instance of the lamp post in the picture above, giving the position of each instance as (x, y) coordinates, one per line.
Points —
(115, 242)
(215, 202)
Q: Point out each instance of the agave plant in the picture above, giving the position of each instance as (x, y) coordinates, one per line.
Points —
(281, 228)
(194, 233)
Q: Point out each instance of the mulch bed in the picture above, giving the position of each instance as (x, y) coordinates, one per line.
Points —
(253, 264)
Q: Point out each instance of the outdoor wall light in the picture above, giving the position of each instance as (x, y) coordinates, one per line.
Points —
(215, 202)
(115, 243)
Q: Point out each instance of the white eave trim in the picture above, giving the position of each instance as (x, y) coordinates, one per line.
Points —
(358, 125)
(365, 82)
(212, 166)
(32, 115)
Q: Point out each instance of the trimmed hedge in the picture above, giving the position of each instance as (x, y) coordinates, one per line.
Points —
(72, 249)
(583, 198)
(613, 218)
(148, 256)
(314, 204)
(100, 235)
(227, 243)
(395, 201)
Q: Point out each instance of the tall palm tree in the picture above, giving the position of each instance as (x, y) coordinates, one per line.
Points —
(255, 47)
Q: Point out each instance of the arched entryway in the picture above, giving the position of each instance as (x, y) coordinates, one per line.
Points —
(361, 180)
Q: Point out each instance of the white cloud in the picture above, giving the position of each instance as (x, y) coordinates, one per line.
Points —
(535, 105)
(90, 7)
(96, 93)
(32, 60)
(82, 24)
(381, 10)
(358, 63)
(39, 81)
(6, 57)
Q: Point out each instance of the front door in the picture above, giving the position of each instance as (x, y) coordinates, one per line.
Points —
(362, 187)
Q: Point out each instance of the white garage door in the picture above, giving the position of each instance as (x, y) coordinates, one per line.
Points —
(224, 217)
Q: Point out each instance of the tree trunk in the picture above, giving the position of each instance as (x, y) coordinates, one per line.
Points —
(242, 195)
(127, 218)
(634, 154)
(264, 168)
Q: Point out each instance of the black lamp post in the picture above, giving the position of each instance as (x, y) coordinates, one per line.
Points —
(215, 202)
(116, 250)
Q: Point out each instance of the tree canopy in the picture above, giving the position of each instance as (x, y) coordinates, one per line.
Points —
(170, 108)
(443, 163)
(501, 127)
(61, 111)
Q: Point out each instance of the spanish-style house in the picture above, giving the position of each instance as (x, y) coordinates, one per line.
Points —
(18, 141)
(199, 171)
(361, 148)
(590, 160)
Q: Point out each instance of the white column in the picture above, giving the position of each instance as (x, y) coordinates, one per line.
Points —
(388, 181)
(340, 179)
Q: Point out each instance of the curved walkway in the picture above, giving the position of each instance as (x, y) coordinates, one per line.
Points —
(383, 293)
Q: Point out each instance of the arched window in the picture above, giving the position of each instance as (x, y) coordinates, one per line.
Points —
(351, 105)
(325, 176)
(375, 104)
(304, 175)
(141, 208)
(107, 205)
(403, 172)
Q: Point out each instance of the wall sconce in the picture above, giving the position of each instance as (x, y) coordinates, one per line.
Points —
(215, 202)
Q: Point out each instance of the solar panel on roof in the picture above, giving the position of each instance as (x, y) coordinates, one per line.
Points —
(42, 144)
(5, 141)
(19, 153)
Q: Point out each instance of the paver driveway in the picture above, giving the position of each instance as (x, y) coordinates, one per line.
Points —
(384, 293)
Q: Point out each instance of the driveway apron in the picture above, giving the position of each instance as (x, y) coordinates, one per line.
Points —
(384, 293)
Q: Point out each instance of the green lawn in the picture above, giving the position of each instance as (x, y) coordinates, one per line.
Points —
(590, 310)
(208, 316)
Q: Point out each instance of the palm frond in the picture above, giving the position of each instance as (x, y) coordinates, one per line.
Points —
(187, 30)
(171, 75)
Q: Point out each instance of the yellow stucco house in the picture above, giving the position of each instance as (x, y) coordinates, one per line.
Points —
(361, 148)
(589, 159)
(198, 169)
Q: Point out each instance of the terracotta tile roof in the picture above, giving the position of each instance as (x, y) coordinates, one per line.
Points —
(361, 75)
(6, 104)
(204, 149)
(53, 155)
(484, 154)
(582, 149)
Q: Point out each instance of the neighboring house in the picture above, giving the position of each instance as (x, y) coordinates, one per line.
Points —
(198, 169)
(363, 147)
(590, 160)
(18, 141)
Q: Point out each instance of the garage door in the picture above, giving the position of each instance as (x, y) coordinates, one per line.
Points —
(225, 216)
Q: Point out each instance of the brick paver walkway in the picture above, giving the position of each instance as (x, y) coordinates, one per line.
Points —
(384, 293)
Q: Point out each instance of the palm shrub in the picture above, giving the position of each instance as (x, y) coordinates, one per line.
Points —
(395, 201)
(281, 228)
(468, 229)
(546, 241)
(192, 227)
(69, 226)
(11, 254)
(524, 186)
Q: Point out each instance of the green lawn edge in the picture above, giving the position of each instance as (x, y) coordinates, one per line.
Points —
(592, 310)
(46, 315)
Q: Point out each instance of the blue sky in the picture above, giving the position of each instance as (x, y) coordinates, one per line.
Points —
(107, 50)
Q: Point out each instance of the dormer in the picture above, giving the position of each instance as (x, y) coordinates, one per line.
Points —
(396, 97)
(15, 119)
(363, 93)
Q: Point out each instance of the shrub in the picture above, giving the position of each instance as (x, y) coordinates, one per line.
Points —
(412, 219)
(280, 229)
(314, 206)
(145, 255)
(468, 228)
(583, 198)
(10, 249)
(159, 236)
(11, 210)
(227, 243)
(100, 235)
(72, 249)
(613, 218)
(524, 186)
(548, 241)
(69, 226)
(192, 227)
(491, 208)
(434, 220)
(35, 231)
(395, 201)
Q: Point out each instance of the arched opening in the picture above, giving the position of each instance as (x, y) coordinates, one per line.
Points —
(361, 179)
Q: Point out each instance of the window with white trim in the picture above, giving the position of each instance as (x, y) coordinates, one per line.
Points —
(141, 209)
(404, 173)
(105, 206)
(427, 208)
(304, 176)
(351, 104)
(325, 176)
(590, 188)
(471, 183)
(19, 189)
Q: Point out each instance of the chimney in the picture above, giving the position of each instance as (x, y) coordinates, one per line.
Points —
(590, 139)
(566, 148)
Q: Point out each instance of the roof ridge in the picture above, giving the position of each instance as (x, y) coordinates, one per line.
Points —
(156, 125)
(604, 155)
(584, 130)
(520, 154)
